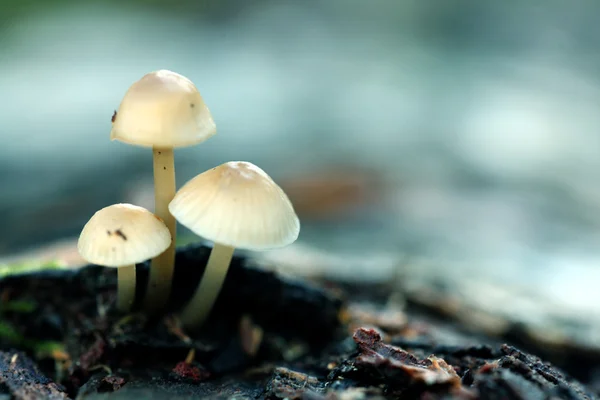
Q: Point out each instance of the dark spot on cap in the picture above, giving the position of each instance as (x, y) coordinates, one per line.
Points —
(165, 168)
(120, 234)
(192, 105)
(114, 117)
(109, 233)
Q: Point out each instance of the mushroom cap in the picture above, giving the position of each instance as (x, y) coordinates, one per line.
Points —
(123, 234)
(164, 110)
(237, 204)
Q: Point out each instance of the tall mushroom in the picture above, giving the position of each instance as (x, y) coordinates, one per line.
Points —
(163, 110)
(121, 236)
(235, 205)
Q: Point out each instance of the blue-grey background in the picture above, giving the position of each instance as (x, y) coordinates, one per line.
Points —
(479, 120)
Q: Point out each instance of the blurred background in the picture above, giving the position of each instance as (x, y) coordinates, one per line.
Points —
(465, 133)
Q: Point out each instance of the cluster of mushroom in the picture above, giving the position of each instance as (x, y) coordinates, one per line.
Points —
(234, 205)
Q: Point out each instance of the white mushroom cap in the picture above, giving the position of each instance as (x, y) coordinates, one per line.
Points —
(123, 234)
(163, 109)
(237, 204)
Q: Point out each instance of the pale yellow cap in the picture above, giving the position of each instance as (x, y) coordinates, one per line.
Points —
(123, 234)
(163, 109)
(237, 204)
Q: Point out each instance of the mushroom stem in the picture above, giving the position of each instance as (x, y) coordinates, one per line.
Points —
(198, 308)
(161, 270)
(125, 287)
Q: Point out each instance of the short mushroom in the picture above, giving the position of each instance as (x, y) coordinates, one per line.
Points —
(162, 110)
(120, 236)
(235, 205)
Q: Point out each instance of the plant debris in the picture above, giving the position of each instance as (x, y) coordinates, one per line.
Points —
(111, 384)
(398, 367)
(268, 337)
(189, 371)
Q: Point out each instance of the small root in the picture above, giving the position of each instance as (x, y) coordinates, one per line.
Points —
(104, 367)
(174, 326)
(190, 357)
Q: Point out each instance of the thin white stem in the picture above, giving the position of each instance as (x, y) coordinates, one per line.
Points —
(161, 269)
(198, 309)
(125, 287)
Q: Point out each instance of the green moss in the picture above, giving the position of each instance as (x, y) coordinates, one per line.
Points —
(9, 333)
(18, 306)
(44, 348)
(20, 268)
(41, 348)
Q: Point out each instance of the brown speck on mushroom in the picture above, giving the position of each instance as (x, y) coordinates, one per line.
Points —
(114, 117)
(120, 233)
(165, 168)
(109, 233)
(192, 105)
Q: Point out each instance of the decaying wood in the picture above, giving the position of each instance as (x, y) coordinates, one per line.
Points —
(268, 337)
(25, 381)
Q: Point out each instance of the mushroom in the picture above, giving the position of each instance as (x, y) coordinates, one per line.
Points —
(235, 205)
(120, 236)
(163, 110)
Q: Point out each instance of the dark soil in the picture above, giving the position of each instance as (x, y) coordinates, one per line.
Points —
(267, 338)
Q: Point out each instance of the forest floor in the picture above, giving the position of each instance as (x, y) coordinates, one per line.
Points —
(271, 337)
